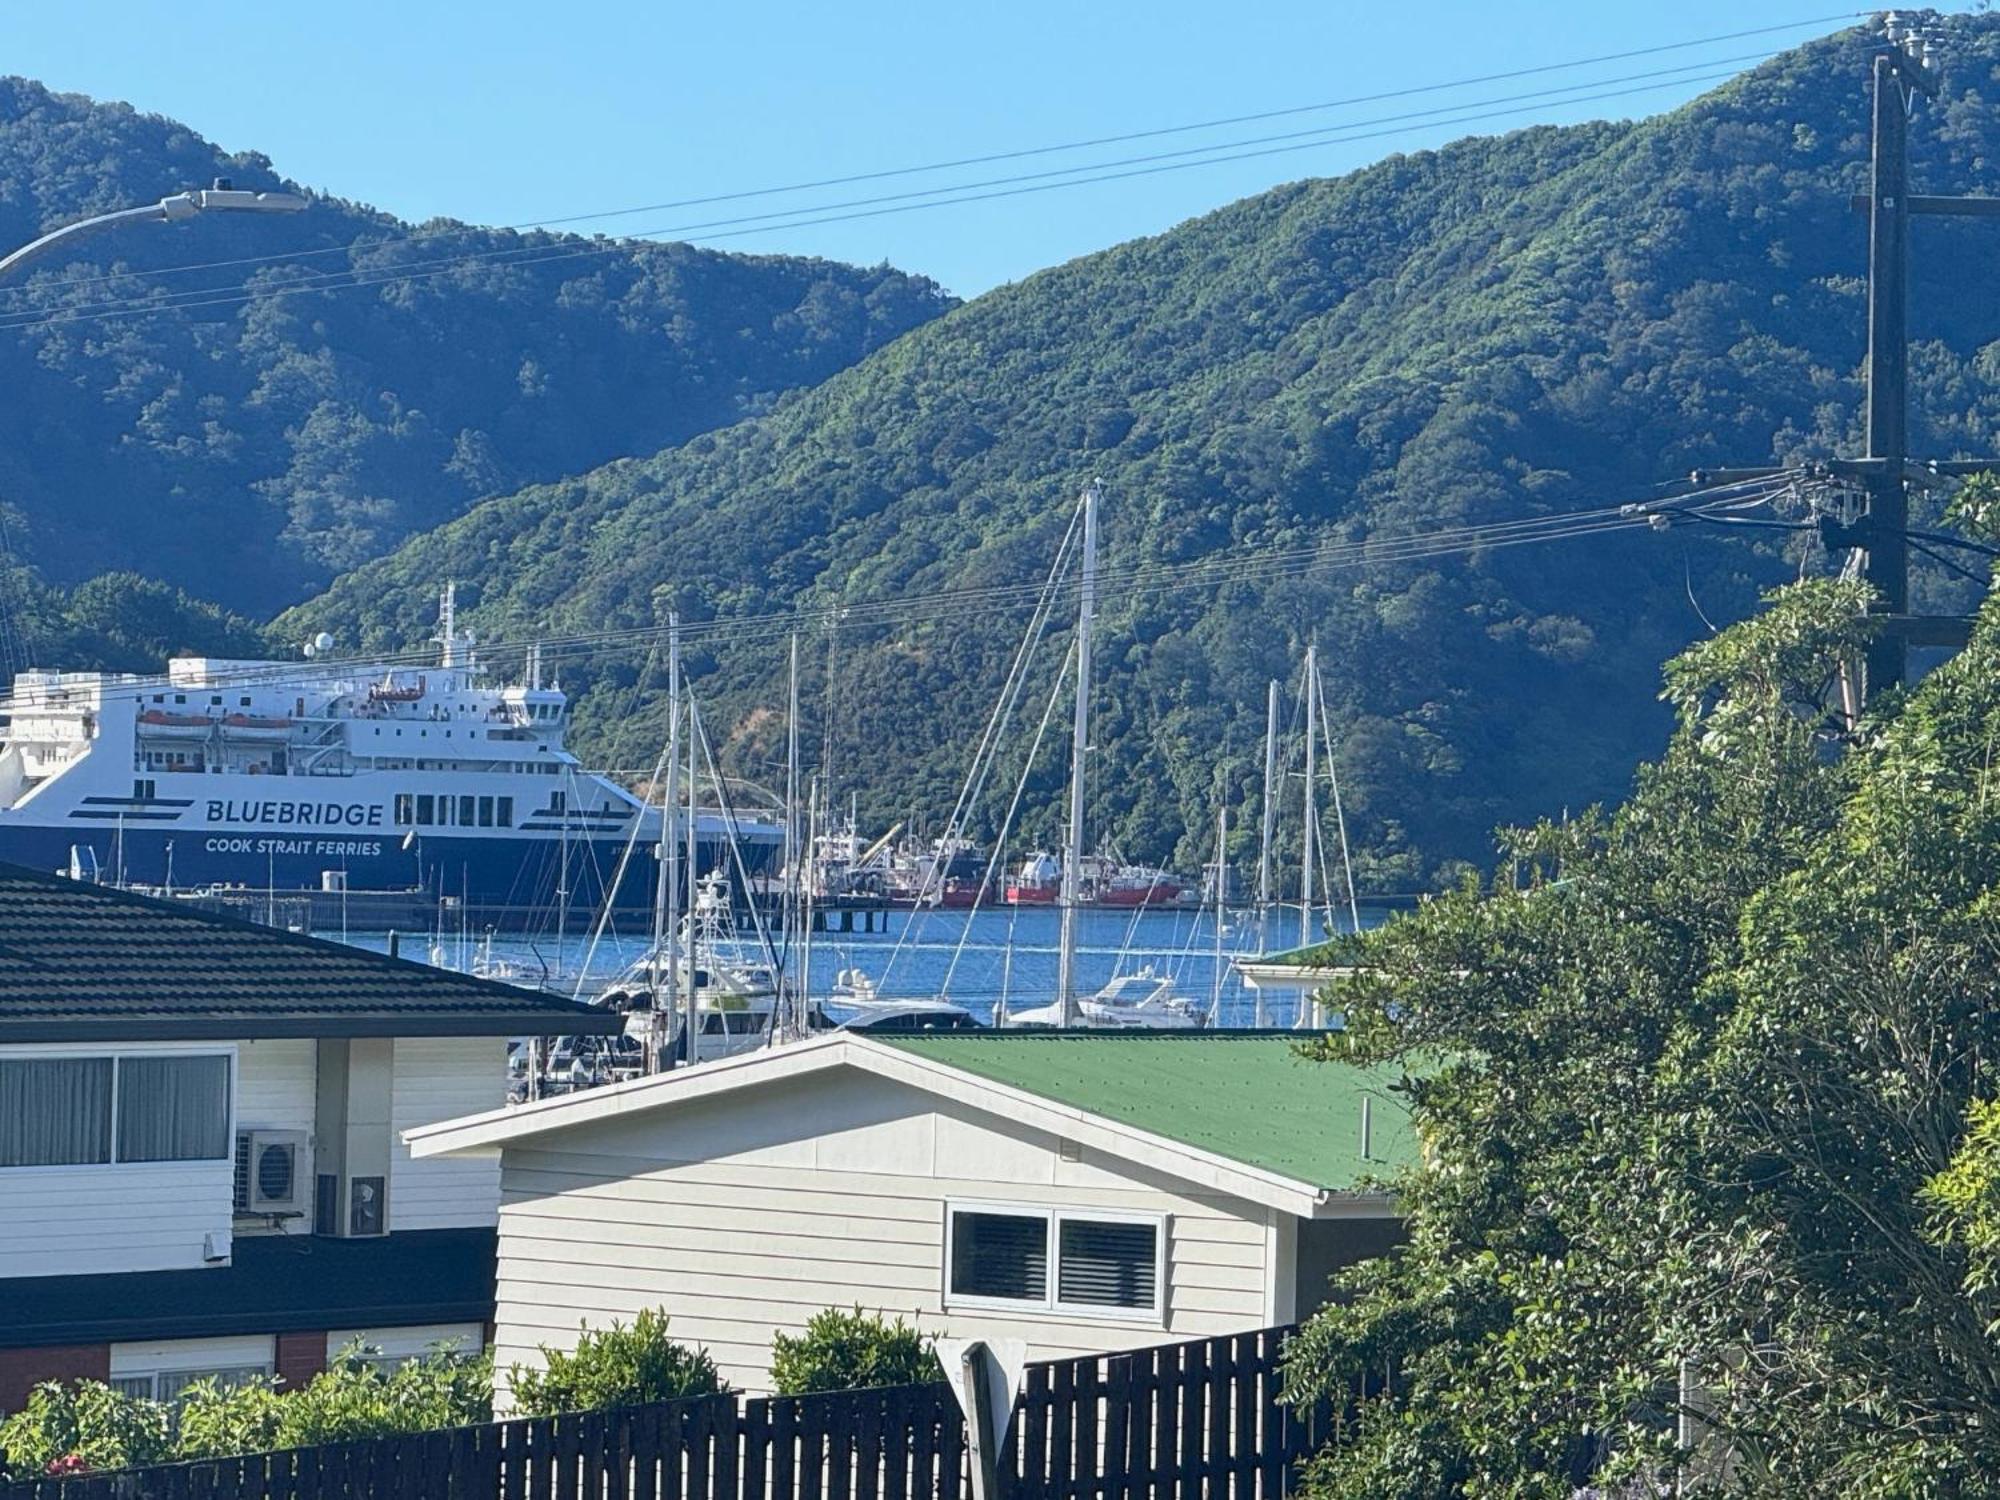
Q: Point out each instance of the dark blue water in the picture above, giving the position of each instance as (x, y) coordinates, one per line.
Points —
(974, 958)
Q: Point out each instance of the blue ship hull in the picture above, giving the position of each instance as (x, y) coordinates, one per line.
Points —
(511, 883)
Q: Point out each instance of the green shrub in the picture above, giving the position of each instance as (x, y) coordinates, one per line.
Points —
(213, 1418)
(85, 1425)
(356, 1397)
(851, 1351)
(615, 1366)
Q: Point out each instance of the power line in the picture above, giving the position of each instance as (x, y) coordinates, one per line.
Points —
(538, 254)
(334, 282)
(991, 158)
(1250, 566)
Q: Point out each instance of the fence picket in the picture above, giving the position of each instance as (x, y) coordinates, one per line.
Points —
(755, 1424)
(1062, 1430)
(784, 1448)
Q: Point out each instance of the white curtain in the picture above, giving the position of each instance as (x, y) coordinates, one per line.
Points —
(173, 1108)
(55, 1111)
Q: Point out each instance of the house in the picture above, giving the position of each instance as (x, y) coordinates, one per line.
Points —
(1081, 1191)
(200, 1167)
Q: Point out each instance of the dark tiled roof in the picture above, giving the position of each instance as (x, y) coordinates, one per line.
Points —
(274, 1284)
(80, 961)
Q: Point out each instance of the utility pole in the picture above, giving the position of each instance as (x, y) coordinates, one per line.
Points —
(1887, 566)
(1902, 71)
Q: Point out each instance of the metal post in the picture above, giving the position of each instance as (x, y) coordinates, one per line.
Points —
(1888, 565)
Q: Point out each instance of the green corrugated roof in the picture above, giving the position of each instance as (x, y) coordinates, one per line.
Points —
(1250, 1098)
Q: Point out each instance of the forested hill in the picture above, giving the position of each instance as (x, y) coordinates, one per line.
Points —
(248, 451)
(1545, 321)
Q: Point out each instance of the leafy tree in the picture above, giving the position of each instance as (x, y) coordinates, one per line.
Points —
(1717, 1112)
(615, 1366)
(1549, 321)
(79, 1427)
(305, 415)
(850, 1351)
(87, 1425)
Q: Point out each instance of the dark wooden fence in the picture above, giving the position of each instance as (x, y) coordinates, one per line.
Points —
(1193, 1421)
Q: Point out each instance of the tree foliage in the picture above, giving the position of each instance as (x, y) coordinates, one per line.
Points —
(248, 449)
(615, 1366)
(1715, 1143)
(86, 1425)
(1548, 321)
(851, 1351)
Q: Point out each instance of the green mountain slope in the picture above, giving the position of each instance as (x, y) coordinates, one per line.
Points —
(249, 451)
(1508, 327)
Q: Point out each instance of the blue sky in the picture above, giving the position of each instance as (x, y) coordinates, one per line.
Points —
(511, 111)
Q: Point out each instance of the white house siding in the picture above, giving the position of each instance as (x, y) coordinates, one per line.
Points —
(149, 1216)
(743, 1219)
(438, 1078)
(275, 1082)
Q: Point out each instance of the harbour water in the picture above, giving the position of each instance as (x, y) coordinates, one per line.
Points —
(974, 958)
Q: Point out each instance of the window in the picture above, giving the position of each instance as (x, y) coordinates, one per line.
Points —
(1056, 1259)
(1102, 1264)
(55, 1112)
(425, 808)
(505, 814)
(1000, 1255)
(173, 1108)
(485, 812)
(406, 809)
(91, 1111)
(465, 819)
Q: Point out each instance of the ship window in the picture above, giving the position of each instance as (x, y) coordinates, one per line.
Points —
(465, 812)
(159, 697)
(243, 702)
(558, 802)
(406, 809)
(216, 699)
(180, 697)
(505, 816)
(142, 791)
(485, 812)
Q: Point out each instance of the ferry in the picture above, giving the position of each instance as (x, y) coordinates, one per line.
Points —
(335, 777)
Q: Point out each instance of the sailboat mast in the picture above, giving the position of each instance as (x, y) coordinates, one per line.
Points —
(790, 895)
(1312, 804)
(691, 1017)
(804, 1018)
(667, 889)
(1339, 817)
(1072, 877)
(1270, 795)
(1221, 899)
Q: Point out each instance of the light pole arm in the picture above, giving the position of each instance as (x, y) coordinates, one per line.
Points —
(179, 206)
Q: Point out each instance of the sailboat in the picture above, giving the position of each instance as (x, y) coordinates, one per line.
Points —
(1279, 972)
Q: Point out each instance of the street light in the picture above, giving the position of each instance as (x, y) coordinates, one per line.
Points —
(222, 198)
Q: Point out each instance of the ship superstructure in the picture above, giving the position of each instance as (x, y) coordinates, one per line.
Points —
(309, 775)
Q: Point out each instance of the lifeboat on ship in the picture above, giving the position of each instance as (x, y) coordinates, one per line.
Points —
(245, 727)
(158, 724)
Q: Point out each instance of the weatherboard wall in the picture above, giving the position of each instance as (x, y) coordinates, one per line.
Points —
(172, 1216)
(440, 1078)
(141, 1216)
(744, 1214)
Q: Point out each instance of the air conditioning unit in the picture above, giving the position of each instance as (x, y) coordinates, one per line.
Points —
(271, 1176)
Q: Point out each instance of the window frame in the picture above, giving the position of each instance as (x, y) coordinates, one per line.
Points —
(1050, 1304)
(29, 1053)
